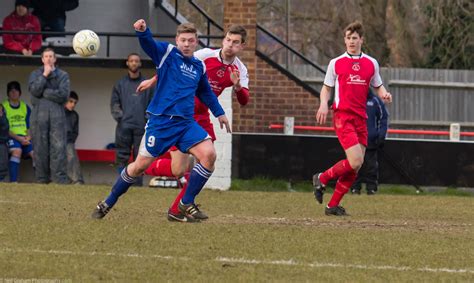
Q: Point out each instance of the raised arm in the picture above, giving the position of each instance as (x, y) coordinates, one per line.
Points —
(241, 85)
(155, 49)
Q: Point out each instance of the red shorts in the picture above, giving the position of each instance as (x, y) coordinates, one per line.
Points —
(350, 129)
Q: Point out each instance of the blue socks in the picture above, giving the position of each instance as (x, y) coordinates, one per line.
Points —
(13, 167)
(124, 181)
(197, 179)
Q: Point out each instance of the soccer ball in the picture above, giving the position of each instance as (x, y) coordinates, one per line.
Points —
(86, 43)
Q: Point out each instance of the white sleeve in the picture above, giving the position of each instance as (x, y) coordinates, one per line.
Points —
(244, 75)
(202, 54)
(330, 78)
(376, 79)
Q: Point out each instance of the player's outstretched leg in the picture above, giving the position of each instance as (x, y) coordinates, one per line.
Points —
(127, 177)
(121, 186)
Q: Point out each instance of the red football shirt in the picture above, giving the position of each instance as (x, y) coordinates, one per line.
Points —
(351, 76)
(218, 75)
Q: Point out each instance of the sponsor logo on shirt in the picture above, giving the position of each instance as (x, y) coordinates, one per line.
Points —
(188, 71)
(355, 80)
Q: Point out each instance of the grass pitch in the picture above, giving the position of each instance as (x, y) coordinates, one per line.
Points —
(46, 233)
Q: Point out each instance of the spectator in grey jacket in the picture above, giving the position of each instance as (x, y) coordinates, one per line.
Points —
(129, 110)
(49, 88)
(72, 125)
(4, 136)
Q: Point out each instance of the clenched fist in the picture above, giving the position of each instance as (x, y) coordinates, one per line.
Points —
(140, 25)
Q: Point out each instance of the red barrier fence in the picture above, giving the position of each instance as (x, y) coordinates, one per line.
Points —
(390, 131)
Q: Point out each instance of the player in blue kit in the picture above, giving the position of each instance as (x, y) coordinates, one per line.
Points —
(181, 76)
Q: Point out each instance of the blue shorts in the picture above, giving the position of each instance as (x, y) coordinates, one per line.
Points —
(25, 149)
(163, 132)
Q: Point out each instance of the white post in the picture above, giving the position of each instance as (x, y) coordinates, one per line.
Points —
(220, 178)
(289, 127)
(455, 132)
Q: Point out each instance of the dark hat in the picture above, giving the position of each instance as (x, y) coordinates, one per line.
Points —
(25, 3)
(13, 85)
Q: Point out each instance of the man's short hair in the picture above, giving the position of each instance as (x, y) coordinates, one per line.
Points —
(186, 28)
(133, 54)
(73, 95)
(238, 29)
(48, 49)
(355, 27)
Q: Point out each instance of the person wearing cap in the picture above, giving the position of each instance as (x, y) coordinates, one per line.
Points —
(18, 115)
(4, 128)
(22, 20)
(49, 87)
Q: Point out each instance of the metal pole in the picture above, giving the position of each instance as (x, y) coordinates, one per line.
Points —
(108, 46)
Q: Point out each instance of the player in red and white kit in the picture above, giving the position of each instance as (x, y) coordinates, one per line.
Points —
(351, 75)
(224, 69)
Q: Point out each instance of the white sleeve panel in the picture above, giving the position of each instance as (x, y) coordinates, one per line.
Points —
(244, 76)
(330, 78)
(204, 53)
(376, 79)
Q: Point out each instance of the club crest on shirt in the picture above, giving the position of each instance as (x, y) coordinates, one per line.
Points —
(220, 73)
(356, 66)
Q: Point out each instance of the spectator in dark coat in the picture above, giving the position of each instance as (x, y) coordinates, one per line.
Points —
(22, 20)
(49, 88)
(72, 123)
(128, 108)
(377, 125)
(52, 13)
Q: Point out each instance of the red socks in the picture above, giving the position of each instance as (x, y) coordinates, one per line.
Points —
(342, 187)
(174, 207)
(160, 167)
(339, 169)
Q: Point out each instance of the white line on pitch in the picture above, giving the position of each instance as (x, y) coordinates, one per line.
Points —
(248, 261)
(13, 202)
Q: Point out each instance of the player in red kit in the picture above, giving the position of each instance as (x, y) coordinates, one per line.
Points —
(224, 69)
(351, 75)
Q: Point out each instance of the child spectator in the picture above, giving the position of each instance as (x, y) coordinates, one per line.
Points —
(72, 123)
(18, 115)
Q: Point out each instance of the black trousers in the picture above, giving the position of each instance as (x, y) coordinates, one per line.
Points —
(127, 140)
(369, 172)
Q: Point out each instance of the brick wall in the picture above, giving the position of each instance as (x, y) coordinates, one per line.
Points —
(273, 95)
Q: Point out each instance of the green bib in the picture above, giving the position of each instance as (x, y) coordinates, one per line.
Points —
(16, 118)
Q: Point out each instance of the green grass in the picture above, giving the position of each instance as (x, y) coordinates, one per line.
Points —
(251, 236)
